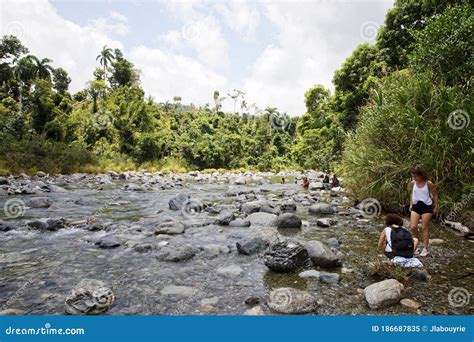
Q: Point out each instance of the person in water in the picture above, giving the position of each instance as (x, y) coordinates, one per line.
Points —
(282, 180)
(335, 182)
(305, 182)
(423, 203)
(395, 240)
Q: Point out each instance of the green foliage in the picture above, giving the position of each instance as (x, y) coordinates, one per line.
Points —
(409, 122)
(446, 45)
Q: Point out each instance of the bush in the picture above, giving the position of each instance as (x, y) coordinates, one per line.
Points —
(411, 120)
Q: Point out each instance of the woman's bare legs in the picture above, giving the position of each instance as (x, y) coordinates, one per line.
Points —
(414, 219)
(425, 220)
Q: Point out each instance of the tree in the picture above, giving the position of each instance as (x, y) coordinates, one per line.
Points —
(105, 57)
(61, 80)
(11, 47)
(42, 69)
(123, 74)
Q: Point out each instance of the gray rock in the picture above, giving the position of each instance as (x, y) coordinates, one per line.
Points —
(262, 219)
(89, 297)
(315, 186)
(240, 181)
(213, 250)
(382, 294)
(177, 202)
(270, 210)
(325, 222)
(143, 247)
(124, 175)
(309, 274)
(288, 220)
(321, 255)
(252, 207)
(4, 181)
(108, 242)
(181, 291)
(286, 256)
(288, 207)
(287, 300)
(56, 188)
(321, 208)
(47, 224)
(239, 223)
(252, 246)
(225, 217)
(169, 227)
(38, 202)
(175, 253)
(332, 242)
(41, 174)
(230, 271)
(5, 227)
(329, 278)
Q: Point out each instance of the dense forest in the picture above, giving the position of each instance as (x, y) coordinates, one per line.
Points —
(402, 101)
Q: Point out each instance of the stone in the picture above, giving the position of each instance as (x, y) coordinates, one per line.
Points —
(410, 303)
(252, 301)
(321, 208)
(209, 301)
(225, 217)
(332, 242)
(240, 181)
(309, 274)
(108, 241)
(329, 278)
(177, 202)
(324, 222)
(321, 255)
(288, 207)
(286, 256)
(262, 219)
(255, 311)
(142, 247)
(239, 223)
(251, 246)
(252, 207)
(419, 275)
(176, 253)
(38, 202)
(89, 297)
(47, 224)
(288, 220)
(182, 291)
(315, 186)
(5, 227)
(287, 300)
(41, 174)
(169, 227)
(383, 294)
(229, 271)
(213, 250)
(4, 181)
(270, 210)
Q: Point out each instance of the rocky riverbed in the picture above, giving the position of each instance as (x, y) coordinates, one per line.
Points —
(153, 244)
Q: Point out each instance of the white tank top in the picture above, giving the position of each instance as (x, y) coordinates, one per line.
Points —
(421, 195)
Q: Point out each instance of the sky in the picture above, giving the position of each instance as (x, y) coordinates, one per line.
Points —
(272, 50)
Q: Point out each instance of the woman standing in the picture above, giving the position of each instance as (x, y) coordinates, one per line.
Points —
(423, 203)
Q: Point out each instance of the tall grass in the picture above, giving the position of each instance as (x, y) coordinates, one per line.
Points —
(406, 123)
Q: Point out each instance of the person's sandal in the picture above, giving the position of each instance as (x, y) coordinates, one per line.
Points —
(424, 252)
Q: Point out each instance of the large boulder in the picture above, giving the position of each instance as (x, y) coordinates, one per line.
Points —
(89, 297)
(175, 253)
(315, 186)
(38, 202)
(384, 293)
(251, 246)
(177, 202)
(108, 241)
(239, 223)
(286, 256)
(240, 181)
(321, 208)
(47, 224)
(288, 220)
(321, 255)
(252, 207)
(170, 227)
(262, 219)
(287, 300)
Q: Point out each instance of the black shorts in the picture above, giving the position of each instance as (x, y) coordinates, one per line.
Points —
(422, 208)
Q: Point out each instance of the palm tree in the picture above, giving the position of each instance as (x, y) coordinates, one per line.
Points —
(42, 69)
(105, 58)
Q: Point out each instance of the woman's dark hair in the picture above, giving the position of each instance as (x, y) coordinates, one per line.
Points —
(418, 170)
(393, 219)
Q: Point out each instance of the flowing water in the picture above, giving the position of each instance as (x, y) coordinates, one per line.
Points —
(39, 269)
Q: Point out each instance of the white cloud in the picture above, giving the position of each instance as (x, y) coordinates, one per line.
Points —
(165, 75)
(115, 23)
(46, 34)
(241, 16)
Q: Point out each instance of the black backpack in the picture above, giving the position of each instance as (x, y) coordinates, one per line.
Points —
(402, 242)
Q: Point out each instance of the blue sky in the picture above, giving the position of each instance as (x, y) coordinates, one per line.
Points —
(272, 50)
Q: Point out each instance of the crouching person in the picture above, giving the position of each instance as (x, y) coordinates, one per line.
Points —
(396, 240)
